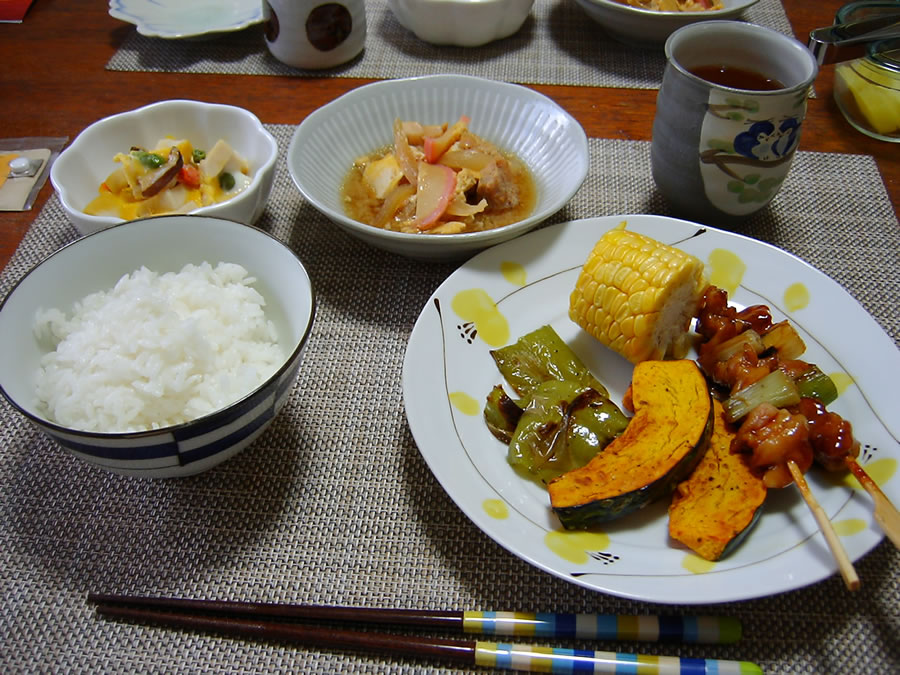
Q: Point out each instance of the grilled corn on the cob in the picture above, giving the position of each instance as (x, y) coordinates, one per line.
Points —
(638, 296)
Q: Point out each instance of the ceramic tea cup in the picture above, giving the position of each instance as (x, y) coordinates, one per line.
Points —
(313, 34)
(728, 118)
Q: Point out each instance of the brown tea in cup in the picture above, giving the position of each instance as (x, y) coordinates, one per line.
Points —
(736, 77)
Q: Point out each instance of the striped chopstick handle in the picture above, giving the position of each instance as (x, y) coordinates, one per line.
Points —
(690, 629)
(553, 660)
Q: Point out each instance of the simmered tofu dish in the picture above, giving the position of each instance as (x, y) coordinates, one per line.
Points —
(172, 177)
(438, 179)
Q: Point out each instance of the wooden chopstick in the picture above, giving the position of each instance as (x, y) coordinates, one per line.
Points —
(468, 652)
(681, 629)
(240, 626)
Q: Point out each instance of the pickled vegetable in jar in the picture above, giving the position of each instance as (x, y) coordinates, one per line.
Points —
(867, 90)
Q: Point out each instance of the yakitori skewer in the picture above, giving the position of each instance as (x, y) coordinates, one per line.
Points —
(805, 429)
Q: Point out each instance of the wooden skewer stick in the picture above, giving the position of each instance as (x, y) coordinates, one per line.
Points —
(886, 514)
(848, 572)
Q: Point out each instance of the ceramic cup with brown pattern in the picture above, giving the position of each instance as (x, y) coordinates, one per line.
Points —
(313, 34)
(728, 118)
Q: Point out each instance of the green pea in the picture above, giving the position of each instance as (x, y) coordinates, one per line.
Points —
(149, 159)
(226, 181)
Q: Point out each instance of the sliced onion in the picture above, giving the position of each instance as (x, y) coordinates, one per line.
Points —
(462, 209)
(475, 160)
(392, 203)
(404, 153)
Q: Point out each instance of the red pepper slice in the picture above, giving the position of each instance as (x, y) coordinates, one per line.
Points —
(189, 175)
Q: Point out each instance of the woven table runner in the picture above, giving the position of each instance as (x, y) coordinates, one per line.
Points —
(335, 505)
(558, 44)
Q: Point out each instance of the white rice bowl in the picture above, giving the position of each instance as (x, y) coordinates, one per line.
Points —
(158, 347)
(156, 350)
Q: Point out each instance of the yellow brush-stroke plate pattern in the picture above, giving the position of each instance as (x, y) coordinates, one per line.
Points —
(518, 286)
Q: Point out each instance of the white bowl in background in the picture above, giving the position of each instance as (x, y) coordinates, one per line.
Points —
(79, 170)
(649, 28)
(463, 23)
(517, 119)
(163, 244)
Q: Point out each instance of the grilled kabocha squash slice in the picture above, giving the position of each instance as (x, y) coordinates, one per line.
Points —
(719, 503)
(666, 437)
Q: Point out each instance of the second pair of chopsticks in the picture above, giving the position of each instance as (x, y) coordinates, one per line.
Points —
(610, 627)
(269, 621)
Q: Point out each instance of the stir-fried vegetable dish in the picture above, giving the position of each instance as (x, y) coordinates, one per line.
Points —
(675, 5)
(438, 179)
(173, 177)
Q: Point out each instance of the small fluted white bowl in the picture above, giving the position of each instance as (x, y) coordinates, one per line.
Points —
(649, 28)
(79, 170)
(162, 244)
(517, 119)
(463, 23)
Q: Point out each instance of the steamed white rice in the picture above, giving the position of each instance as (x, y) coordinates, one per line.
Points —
(155, 350)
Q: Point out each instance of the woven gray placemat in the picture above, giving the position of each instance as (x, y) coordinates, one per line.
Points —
(334, 504)
(558, 44)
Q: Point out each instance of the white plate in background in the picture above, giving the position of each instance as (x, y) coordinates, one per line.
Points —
(187, 18)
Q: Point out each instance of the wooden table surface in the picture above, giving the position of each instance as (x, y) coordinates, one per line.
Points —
(53, 82)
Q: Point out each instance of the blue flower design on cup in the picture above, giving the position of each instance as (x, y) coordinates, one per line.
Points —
(766, 142)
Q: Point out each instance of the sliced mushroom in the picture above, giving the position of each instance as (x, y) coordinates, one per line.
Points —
(154, 181)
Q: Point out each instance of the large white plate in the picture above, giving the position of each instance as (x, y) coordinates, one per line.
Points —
(515, 287)
(187, 18)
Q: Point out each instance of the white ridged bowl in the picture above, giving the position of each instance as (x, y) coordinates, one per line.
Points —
(517, 119)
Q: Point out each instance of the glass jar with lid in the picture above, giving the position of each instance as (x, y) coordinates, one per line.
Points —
(867, 81)
(867, 90)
